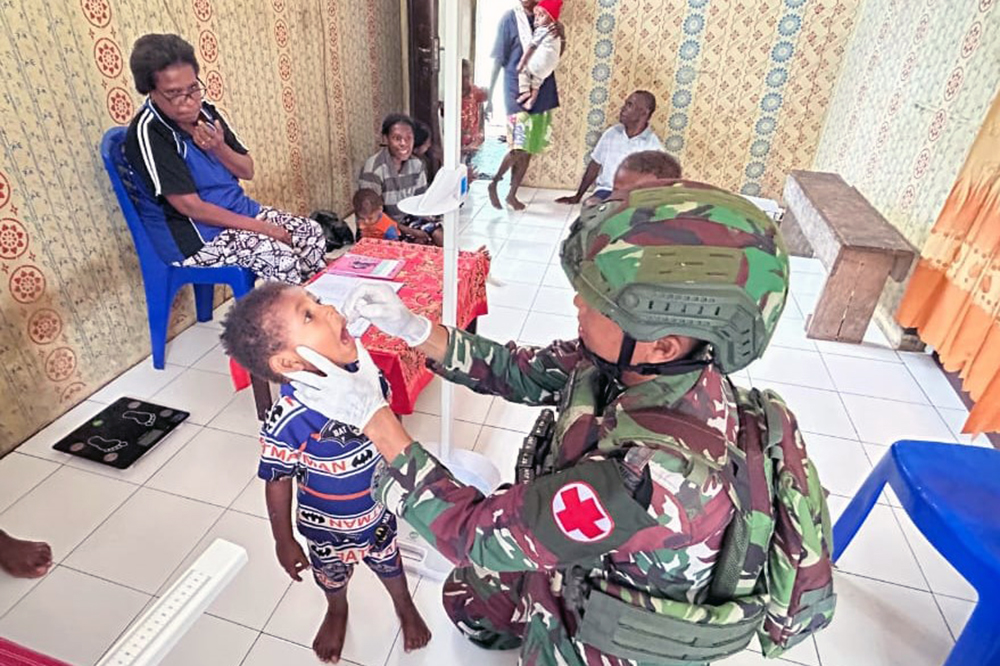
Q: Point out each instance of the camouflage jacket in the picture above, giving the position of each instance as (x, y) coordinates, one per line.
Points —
(638, 496)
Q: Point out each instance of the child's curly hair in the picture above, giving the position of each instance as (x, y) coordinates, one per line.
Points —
(654, 162)
(252, 334)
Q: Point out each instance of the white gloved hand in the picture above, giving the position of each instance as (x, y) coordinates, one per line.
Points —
(348, 397)
(380, 305)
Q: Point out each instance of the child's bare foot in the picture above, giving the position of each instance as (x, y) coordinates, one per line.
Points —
(329, 641)
(24, 559)
(514, 203)
(494, 196)
(415, 632)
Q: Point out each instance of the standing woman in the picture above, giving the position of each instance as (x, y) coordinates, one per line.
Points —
(191, 161)
(397, 173)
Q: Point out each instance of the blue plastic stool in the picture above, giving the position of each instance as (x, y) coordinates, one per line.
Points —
(160, 278)
(952, 494)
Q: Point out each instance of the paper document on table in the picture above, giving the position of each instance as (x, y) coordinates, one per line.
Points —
(334, 290)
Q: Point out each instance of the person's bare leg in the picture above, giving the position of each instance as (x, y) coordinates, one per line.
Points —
(438, 237)
(329, 641)
(508, 161)
(518, 171)
(415, 632)
(24, 559)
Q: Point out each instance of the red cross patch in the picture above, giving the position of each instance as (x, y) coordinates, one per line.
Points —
(579, 513)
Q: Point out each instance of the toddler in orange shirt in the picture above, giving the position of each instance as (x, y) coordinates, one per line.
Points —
(371, 218)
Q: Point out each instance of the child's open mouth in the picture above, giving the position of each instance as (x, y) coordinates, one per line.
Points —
(345, 337)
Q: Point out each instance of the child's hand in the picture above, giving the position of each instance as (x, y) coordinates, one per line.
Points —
(292, 558)
(418, 235)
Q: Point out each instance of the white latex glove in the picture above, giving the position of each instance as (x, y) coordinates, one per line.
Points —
(348, 397)
(380, 305)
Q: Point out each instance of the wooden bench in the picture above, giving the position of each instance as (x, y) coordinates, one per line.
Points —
(858, 247)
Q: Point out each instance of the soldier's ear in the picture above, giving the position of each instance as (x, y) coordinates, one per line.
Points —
(672, 348)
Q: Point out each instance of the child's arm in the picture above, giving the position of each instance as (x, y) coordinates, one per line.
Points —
(416, 235)
(526, 57)
(279, 510)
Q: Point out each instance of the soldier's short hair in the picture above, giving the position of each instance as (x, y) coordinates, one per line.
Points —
(252, 333)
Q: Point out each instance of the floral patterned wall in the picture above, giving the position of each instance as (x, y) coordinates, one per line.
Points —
(743, 87)
(917, 83)
(305, 83)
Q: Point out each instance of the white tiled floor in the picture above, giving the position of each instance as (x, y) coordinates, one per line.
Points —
(120, 538)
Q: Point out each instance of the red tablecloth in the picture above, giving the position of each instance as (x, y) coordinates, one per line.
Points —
(12, 654)
(403, 367)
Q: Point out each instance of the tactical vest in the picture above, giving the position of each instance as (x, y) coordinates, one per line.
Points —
(758, 586)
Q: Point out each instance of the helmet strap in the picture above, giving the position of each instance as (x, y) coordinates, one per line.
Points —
(626, 352)
(615, 371)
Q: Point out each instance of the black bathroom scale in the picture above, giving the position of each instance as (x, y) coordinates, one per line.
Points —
(122, 432)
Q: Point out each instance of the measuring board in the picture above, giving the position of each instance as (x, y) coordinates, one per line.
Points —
(153, 635)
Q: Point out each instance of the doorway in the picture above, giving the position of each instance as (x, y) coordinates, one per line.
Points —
(487, 22)
(479, 29)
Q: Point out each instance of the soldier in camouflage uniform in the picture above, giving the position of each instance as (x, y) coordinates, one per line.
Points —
(676, 285)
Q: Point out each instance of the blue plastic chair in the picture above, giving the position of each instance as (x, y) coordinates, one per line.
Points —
(952, 494)
(160, 278)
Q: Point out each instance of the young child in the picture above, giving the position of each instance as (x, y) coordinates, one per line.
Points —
(542, 57)
(473, 98)
(331, 463)
(644, 167)
(369, 212)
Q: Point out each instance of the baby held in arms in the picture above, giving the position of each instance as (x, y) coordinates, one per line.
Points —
(542, 55)
(328, 465)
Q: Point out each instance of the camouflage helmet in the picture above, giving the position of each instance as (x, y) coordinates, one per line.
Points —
(683, 258)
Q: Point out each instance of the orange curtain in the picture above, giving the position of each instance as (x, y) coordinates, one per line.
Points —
(954, 296)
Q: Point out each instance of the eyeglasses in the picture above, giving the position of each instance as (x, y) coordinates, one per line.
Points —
(192, 94)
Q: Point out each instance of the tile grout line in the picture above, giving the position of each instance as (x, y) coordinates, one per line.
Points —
(243, 661)
(880, 580)
(937, 408)
(923, 574)
(274, 610)
(27, 492)
(225, 510)
(840, 397)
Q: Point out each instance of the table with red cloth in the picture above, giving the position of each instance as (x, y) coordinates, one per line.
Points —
(406, 368)
(423, 268)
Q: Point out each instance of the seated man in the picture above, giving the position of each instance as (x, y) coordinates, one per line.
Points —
(24, 559)
(631, 135)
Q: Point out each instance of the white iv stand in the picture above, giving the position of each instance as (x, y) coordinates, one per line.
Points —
(445, 196)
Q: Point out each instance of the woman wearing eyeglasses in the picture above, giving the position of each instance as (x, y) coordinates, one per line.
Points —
(191, 162)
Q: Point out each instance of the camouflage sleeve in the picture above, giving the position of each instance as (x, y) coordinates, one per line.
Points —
(528, 375)
(575, 515)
